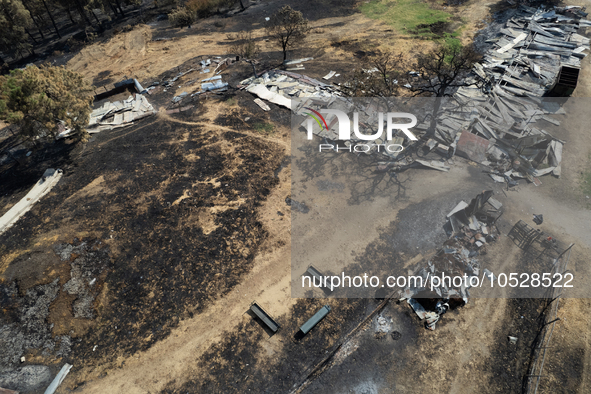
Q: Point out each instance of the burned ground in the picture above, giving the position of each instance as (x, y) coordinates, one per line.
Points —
(177, 206)
(180, 264)
(242, 354)
(421, 361)
(18, 173)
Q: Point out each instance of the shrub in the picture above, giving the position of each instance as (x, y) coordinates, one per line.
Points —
(244, 45)
(181, 17)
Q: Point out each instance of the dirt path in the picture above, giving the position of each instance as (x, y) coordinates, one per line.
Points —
(211, 125)
(173, 359)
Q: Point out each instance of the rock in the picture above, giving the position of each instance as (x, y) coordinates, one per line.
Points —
(27, 378)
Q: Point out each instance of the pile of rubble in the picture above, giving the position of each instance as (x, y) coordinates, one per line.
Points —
(536, 51)
(502, 132)
(493, 121)
(213, 83)
(471, 227)
(119, 113)
(279, 87)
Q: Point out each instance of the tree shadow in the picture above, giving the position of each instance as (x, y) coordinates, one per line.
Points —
(19, 172)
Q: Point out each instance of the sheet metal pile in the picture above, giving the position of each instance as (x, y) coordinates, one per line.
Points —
(279, 87)
(119, 113)
(496, 121)
(504, 133)
(527, 57)
(471, 227)
(538, 52)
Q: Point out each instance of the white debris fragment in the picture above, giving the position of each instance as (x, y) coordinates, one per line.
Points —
(49, 179)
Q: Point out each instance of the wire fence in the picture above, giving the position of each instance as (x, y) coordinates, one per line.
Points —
(548, 317)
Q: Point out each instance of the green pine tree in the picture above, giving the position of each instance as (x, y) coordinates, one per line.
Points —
(38, 100)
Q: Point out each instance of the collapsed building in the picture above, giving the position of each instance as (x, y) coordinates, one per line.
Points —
(538, 53)
(119, 113)
(497, 120)
(470, 227)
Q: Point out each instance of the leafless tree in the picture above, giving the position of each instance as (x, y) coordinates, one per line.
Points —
(244, 45)
(378, 77)
(439, 72)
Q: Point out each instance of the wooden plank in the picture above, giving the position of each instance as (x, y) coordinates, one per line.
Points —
(487, 114)
(535, 27)
(433, 164)
(550, 48)
(515, 112)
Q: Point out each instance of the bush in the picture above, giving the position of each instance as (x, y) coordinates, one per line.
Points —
(264, 128)
(244, 45)
(202, 8)
(181, 17)
(193, 9)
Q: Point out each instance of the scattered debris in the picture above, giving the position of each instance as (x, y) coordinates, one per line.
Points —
(275, 98)
(261, 104)
(538, 219)
(215, 85)
(118, 114)
(512, 340)
(298, 206)
(329, 75)
(178, 98)
(383, 324)
(493, 121)
(223, 64)
(49, 179)
(279, 87)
